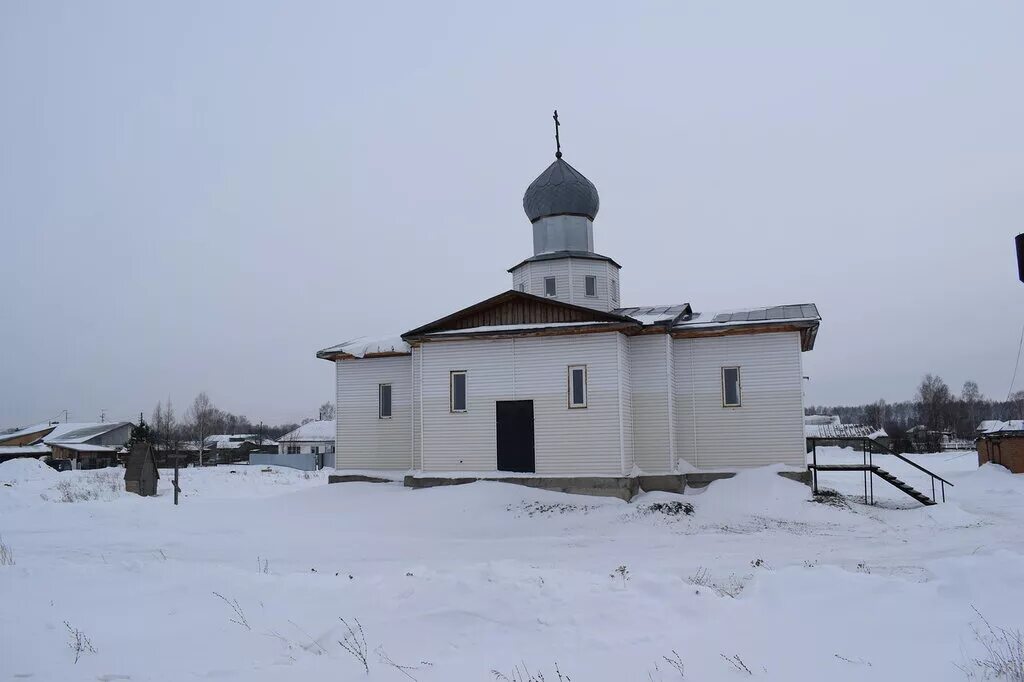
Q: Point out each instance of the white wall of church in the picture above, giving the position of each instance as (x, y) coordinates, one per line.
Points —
(364, 441)
(650, 356)
(417, 409)
(567, 441)
(625, 372)
(570, 281)
(767, 428)
(463, 441)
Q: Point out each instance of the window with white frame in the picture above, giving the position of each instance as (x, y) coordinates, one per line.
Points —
(522, 286)
(577, 386)
(315, 449)
(615, 290)
(457, 391)
(590, 286)
(549, 287)
(293, 449)
(384, 401)
(731, 387)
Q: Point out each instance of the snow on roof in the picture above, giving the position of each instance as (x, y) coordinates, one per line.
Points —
(648, 315)
(231, 441)
(834, 430)
(366, 345)
(35, 428)
(11, 450)
(65, 432)
(516, 327)
(83, 433)
(1006, 427)
(86, 447)
(314, 431)
(803, 312)
(989, 424)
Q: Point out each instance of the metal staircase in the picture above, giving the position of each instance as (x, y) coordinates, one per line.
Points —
(871, 470)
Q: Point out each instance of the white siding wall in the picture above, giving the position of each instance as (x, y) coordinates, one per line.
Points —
(767, 429)
(463, 441)
(651, 407)
(417, 410)
(626, 454)
(569, 274)
(567, 441)
(363, 440)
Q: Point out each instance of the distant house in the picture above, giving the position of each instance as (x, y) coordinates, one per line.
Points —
(316, 437)
(230, 448)
(987, 425)
(88, 445)
(186, 454)
(1003, 443)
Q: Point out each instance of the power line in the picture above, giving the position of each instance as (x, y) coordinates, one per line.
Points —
(1017, 363)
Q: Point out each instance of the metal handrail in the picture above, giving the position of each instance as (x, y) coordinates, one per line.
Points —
(869, 461)
(890, 451)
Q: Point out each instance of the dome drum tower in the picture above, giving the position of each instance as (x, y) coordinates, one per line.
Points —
(562, 205)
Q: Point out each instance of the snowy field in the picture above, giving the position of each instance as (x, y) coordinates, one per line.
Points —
(251, 576)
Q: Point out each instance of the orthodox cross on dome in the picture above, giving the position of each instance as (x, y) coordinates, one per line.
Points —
(558, 143)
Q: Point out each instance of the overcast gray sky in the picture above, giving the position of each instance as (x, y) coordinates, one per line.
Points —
(200, 195)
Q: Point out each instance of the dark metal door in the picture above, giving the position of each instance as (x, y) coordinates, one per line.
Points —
(515, 435)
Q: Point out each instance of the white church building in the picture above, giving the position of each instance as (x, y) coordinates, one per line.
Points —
(556, 377)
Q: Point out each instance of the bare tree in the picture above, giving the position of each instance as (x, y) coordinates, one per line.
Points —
(327, 411)
(933, 398)
(201, 416)
(1017, 401)
(876, 414)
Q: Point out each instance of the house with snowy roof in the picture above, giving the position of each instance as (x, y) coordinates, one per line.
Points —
(556, 377)
(226, 448)
(314, 437)
(88, 445)
(1002, 442)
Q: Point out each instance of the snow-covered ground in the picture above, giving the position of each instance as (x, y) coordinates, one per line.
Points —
(249, 578)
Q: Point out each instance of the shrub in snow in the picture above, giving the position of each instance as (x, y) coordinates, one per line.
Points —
(622, 573)
(524, 675)
(354, 642)
(1004, 653)
(702, 578)
(78, 642)
(737, 663)
(406, 670)
(674, 508)
(98, 485)
(674, 662)
(239, 618)
(6, 555)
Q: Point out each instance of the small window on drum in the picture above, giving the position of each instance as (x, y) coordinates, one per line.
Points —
(590, 286)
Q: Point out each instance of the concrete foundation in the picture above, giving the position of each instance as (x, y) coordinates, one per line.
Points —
(704, 479)
(356, 478)
(622, 487)
(798, 476)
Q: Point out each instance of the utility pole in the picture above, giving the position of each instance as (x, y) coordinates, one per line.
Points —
(177, 489)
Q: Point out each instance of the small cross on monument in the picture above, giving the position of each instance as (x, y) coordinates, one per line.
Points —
(558, 143)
